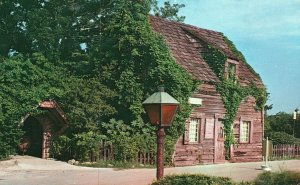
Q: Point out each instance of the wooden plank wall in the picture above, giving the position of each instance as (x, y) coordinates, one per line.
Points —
(252, 151)
(202, 152)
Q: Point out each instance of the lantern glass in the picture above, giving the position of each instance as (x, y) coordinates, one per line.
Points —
(168, 113)
(153, 111)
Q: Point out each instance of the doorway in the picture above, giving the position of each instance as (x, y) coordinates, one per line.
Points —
(219, 142)
(33, 135)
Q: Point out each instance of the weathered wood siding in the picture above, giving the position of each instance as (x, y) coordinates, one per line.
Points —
(187, 44)
(251, 151)
(207, 150)
(202, 152)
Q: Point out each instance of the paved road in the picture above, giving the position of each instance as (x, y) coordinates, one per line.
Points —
(33, 171)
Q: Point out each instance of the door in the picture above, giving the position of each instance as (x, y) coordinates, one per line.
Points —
(219, 142)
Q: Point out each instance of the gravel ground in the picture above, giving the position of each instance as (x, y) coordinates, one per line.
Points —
(26, 170)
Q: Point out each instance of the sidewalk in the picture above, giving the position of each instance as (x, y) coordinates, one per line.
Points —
(237, 171)
(30, 171)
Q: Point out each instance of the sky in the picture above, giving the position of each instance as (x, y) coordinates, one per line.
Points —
(267, 32)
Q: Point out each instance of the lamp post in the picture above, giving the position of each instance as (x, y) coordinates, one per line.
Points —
(294, 118)
(161, 109)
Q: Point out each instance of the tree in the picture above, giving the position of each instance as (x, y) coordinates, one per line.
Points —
(122, 63)
(138, 61)
(282, 122)
(266, 109)
(168, 11)
(40, 45)
(54, 28)
(21, 92)
(84, 100)
(138, 58)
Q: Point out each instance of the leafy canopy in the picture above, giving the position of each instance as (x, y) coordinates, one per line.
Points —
(138, 60)
(168, 11)
(98, 59)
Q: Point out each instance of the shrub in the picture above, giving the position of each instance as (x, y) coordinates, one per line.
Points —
(115, 164)
(194, 179)
(278, 178)
(283, 138)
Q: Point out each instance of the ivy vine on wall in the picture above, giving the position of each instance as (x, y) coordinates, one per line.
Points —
(231, 91)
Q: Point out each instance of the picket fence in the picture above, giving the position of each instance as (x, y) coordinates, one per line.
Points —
(281, 151)
(106, 153)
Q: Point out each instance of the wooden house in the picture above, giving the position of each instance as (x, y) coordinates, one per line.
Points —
(41, 129)
(203, 140)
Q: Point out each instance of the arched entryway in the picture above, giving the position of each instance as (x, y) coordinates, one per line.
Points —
(41, 128)
(33, 137)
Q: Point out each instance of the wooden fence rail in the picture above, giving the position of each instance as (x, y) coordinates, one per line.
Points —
(285, 151)
(106, 153)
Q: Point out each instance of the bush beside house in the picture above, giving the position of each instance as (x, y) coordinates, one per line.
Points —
(265, 178)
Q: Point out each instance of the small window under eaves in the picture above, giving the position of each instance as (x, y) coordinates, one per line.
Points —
(231, 70)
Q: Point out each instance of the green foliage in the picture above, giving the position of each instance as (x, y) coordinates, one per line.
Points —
(21, 92)
(231, 91)
(239, 55)
(84, 101)
(194, 179)
(168, 11)
(122, 64)
(138, 61)
(282, 122)
(79, 146)
(232, 95)
(60, 71)
(216, 60)
(53, 28)
(265, 178)
(85, 143)
(115, 164)
(128, 140)
(61, 148)
(278, 178)
(282, 138)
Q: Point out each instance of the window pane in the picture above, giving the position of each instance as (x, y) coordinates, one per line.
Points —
(194, 130)
(244, 131)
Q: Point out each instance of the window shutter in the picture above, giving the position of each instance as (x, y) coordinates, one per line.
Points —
(209, 128)
(186, 133)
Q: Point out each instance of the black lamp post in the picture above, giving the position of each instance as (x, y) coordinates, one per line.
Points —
(161, 109)
(294, 118)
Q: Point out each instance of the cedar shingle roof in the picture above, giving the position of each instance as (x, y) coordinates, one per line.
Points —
(182, 41)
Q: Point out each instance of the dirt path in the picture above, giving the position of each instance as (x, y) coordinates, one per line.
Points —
(34, 171)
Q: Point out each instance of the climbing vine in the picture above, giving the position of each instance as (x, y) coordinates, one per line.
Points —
(231, 91)
(239, 55)
(216, 60)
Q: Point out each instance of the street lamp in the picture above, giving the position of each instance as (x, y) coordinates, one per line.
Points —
(294, 118)
(161, 109)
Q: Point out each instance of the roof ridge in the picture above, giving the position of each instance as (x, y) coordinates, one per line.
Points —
(186, 52)
(183, 24)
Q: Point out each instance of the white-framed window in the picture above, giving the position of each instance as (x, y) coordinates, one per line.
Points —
(245, 131)
(194, 130)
